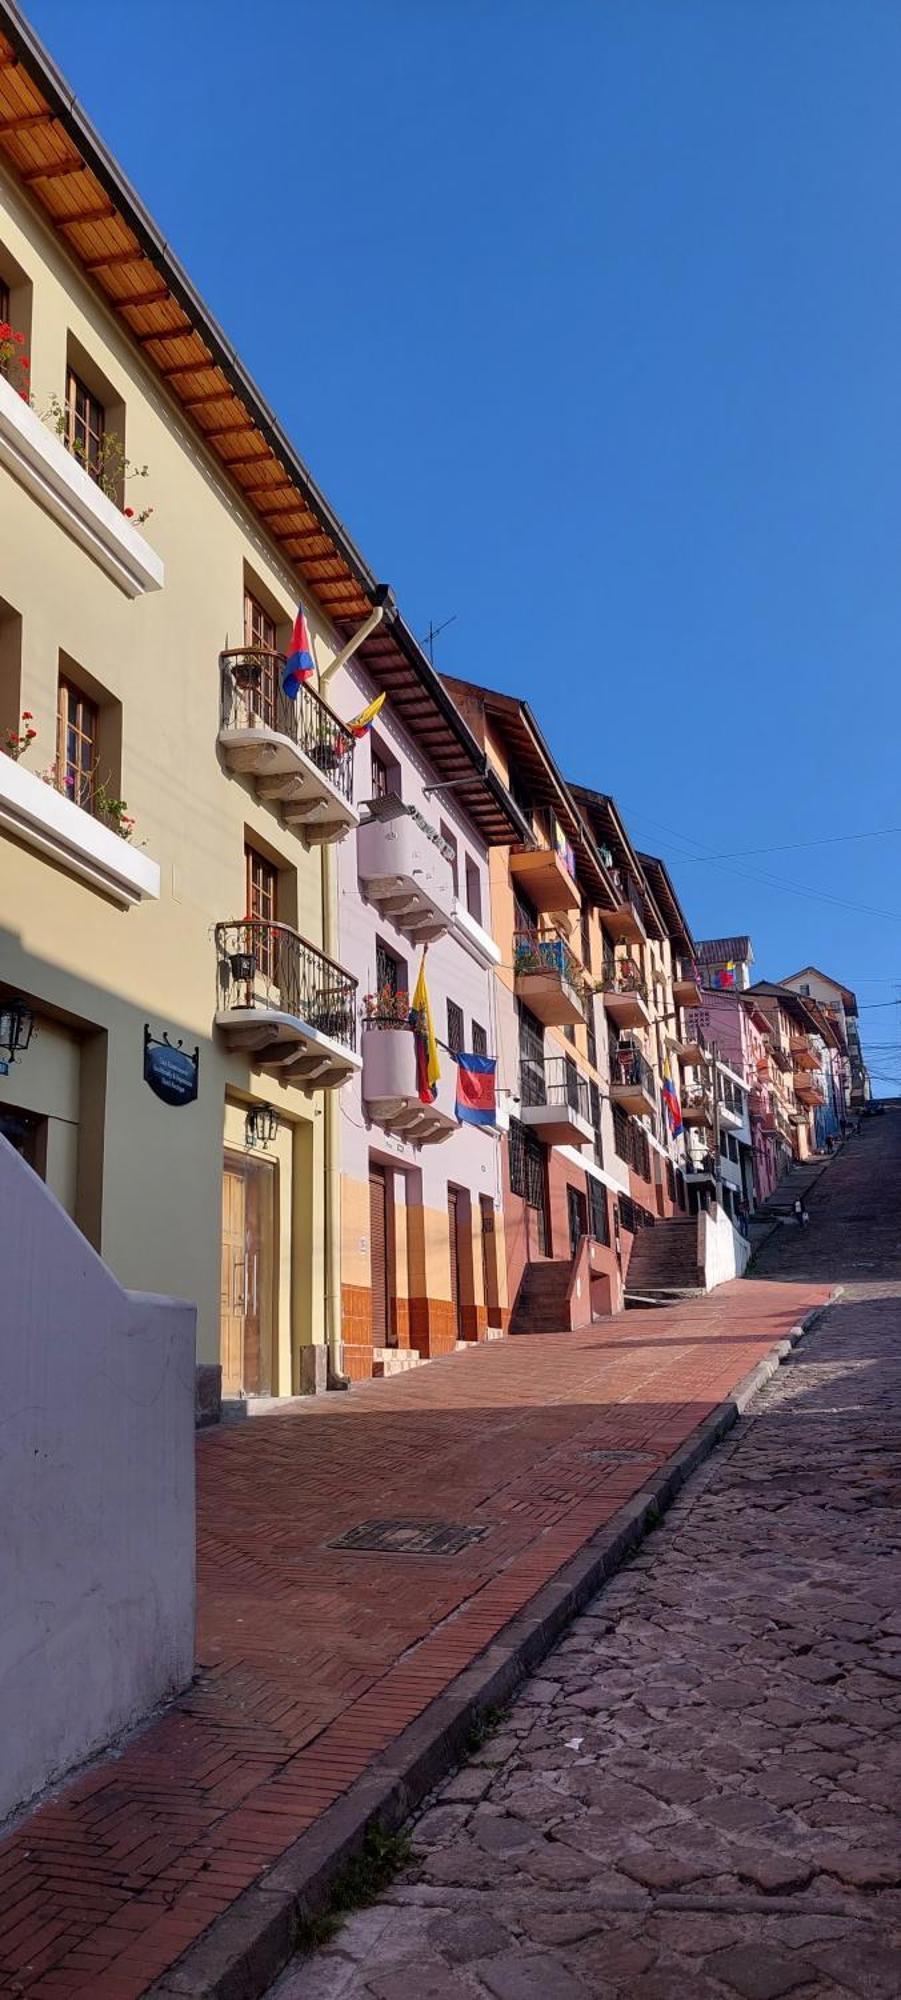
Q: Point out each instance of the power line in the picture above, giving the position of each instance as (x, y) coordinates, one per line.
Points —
(774, 881)
(792, 846)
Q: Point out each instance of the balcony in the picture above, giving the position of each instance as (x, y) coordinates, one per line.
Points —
(686, 985)
(691, 1050)
(390, 1090)
(697, 1107)
(548, 977)
(732, 1105)
(299, 754)
(45, 819)
(703, 1169)
(781, 1057)
(40, 462)
(405, 870)
(809, 1091)
(543, 877)
(802, 1055)
(286, 1006)
(555, 1102)
(625, 994)
(632, 1080)
(629, 918)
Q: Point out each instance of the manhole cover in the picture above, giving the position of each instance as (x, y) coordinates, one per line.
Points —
(616, 1457)
(409, 1538)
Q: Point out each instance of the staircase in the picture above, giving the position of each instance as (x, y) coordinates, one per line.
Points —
(664, 1263)
(541, 1302)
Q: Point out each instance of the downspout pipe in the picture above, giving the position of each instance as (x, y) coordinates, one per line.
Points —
(335, 1376)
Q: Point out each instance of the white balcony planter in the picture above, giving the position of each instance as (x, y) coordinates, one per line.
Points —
(41, 463)
(390, 1094)
(45, 819)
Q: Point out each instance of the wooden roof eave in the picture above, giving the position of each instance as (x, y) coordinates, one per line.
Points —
(343, 585)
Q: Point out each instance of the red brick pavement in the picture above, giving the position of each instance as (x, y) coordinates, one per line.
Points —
(312, 1660)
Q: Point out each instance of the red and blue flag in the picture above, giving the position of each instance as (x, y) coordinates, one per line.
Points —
(673, 1107)
(476, 1090)
(300, 663)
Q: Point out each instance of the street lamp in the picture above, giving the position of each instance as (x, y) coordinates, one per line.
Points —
(16, 1026)
(260, 1126)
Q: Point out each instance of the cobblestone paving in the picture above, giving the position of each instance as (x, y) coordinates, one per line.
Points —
(698, 1796)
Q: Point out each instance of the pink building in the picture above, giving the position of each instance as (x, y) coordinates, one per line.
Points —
(741, 1035)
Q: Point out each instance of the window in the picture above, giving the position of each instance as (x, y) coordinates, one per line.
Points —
(525, 918)
(385, 774)
(517, 1158)
(479, 1039)
(451, 840)
(585, 932)
(76, 744)
(389, 970)
(455, 1028)
(85, 426)
(527, 1174)
(621, 1134)
(591, 1040)
(261, 907)
(597, 1210)
(259, 632)
(473, 891)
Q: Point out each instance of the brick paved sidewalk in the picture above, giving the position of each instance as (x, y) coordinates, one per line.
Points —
(312, 1660)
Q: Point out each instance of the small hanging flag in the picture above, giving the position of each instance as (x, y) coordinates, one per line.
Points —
(363, 722)
(725, 976)
(300, 663)
(476, 1092)
(673, 1107)
(428, 1068)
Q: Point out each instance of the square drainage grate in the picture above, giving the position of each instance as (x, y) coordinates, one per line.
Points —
(409, 1538)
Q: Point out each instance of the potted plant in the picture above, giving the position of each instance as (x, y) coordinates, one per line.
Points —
(388, 1008)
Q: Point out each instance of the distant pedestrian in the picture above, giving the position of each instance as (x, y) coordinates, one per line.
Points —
(801, 1216)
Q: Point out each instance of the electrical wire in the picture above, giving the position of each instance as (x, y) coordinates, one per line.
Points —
(792, 846)
(769, 881)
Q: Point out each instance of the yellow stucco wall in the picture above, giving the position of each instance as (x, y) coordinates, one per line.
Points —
(148, 1174)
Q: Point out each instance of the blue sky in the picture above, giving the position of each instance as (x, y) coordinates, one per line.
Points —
(587, 317)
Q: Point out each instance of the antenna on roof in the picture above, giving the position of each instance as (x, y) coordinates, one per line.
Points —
(432, 634)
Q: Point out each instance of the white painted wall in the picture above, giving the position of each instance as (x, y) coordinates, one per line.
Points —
(96, 1494)
(722, 1251)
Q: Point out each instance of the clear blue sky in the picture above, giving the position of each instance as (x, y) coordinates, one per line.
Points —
(586, 315)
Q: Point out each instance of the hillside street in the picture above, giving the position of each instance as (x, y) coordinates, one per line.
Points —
(697, 1794)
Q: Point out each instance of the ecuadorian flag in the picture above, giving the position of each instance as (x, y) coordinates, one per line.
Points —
(476, 1094)
(300, 663)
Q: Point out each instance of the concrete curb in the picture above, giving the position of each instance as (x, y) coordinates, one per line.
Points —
(245, 1949)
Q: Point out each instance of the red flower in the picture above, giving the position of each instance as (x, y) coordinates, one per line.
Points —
(19, 339)
(129, 511)
(27, 715)
(5, 330)
(30, 732)
(24, 361)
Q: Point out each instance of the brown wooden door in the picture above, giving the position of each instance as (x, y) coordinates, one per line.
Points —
(489, 1259)
(453, 1204)
(383, 1334)
(577, 1208)
(247, 1273)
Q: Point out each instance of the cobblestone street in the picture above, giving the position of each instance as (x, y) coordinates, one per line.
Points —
(695, 1798)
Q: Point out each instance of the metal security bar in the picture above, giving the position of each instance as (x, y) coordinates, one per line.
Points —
(539, 951)
(252, 698)
(262, 964)
(556, 1082)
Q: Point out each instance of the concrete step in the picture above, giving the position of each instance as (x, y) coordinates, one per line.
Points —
(394, 1360)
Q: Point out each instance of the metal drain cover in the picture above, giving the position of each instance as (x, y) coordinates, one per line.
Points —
(409, 1538)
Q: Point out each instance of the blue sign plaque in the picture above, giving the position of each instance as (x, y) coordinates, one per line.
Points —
(169, 1070)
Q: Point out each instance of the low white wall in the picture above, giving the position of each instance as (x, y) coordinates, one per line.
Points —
(96, 1494)
(722, 1250)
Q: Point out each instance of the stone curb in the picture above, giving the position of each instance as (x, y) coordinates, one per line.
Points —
(245, 1949)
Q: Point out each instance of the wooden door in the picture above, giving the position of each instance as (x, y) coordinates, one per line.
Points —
(247, 1274)
(578, 1217)
(453, 1206)
(489, 1260)
(380, 1262)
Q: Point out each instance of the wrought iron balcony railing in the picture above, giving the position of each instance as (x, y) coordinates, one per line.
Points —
(268, 965)
(252, 697)
(538, 951)
(628, 1065)
(554, 1081)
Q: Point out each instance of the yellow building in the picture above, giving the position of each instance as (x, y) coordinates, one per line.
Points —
(168, 818)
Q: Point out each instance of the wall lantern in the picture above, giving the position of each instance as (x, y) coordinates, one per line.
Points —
(16, 1025)
(260, 1126)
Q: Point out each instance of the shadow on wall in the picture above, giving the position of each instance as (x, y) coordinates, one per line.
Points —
(96, 1495)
